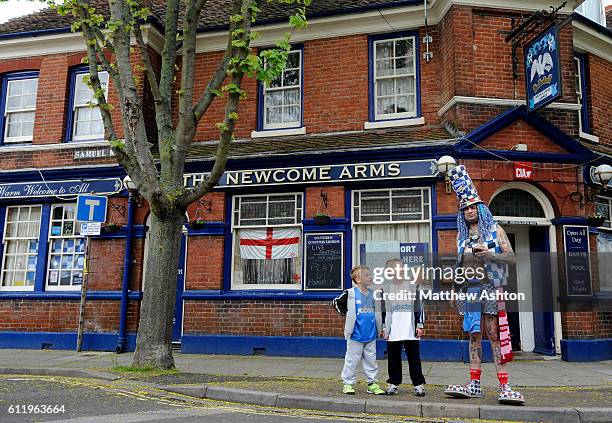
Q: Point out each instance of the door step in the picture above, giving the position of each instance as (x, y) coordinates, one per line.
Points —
(176, 346)
(531, 356)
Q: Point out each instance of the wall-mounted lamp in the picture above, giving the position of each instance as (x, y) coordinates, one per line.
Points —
(446, 163)
(601, 174)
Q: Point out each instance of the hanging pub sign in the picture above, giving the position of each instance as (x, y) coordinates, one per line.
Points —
(542, 69)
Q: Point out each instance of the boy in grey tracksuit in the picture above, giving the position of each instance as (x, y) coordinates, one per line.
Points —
(362, 327)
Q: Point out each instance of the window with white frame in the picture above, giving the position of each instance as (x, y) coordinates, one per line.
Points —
(390, 215)
(581, 96)
(604, 206)
(282, 97)
(594, 10)
(20, 247)
(267, 241)
(19, 109)
(87, 119)
(394, 78)
(604, 244)
(66, 249)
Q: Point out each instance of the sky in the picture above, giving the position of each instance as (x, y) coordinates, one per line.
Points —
(13, 8)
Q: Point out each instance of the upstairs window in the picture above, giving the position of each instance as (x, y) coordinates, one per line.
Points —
(394, 78)
(18, 107)
(584, 123)
(86, 118)
(281, 99)
(594, 10)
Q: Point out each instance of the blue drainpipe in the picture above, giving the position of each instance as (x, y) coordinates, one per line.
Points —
(125, 285)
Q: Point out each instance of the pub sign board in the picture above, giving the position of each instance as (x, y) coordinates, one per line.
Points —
(542, 69)
(577, 260)
(324, 261)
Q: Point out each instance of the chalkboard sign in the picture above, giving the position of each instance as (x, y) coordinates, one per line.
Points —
(577, 260)
(324, 261)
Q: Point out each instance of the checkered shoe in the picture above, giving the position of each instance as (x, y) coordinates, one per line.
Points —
(508, 396)
(471, 390)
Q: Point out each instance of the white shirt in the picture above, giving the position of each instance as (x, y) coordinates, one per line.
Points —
(402, 320)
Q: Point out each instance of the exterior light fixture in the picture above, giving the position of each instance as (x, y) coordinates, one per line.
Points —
(602, 174)
(446, 163)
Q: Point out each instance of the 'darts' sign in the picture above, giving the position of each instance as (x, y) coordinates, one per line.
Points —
(577, 260)
(542, 70)
(54, 188)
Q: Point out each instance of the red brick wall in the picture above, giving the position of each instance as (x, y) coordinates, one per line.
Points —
(522, 132)
(216, 201)
(600, 99)
(204, 262)
(58, 316)
(335, 201)
(263, 318)
(106, 264)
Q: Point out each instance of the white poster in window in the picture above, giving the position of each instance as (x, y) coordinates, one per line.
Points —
(53, 276)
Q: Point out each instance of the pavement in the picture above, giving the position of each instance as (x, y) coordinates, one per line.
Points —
(555, 391)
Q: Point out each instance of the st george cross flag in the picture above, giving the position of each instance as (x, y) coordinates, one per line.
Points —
(269, 243)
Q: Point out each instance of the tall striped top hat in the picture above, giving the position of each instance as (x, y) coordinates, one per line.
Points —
(463, 187)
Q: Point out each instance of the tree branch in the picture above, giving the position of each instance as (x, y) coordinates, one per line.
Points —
(166, 80)
(144, 54)
(137, 145)
(227, 128)
(220, 74)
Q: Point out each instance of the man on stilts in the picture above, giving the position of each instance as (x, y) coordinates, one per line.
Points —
(481, 242)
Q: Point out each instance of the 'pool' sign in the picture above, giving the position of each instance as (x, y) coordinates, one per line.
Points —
(542, 70)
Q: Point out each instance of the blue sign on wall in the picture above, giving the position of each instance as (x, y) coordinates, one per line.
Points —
(53, 188)
(577, 260)
(542, 70)
(318, 174)
(91, 208)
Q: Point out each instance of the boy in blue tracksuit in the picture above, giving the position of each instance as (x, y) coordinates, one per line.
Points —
(361, 329)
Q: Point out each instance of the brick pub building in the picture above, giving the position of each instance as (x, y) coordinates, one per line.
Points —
(370, 99)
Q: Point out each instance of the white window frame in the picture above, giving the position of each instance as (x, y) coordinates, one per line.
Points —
(425, 205)
(266, 89)
(403, 115)
(50, 239)
(608, 200)
(299, 215)
(92, 104)
(7, 112)
(4, 247)
(578, 62)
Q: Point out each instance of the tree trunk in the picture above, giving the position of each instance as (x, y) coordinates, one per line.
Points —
(154, 339)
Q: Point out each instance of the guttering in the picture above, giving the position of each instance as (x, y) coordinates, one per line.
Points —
(125, 283)
(35, 33)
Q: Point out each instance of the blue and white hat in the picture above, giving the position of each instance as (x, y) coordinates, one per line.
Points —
(463, 187)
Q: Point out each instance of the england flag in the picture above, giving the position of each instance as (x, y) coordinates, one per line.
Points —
(269, 243)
